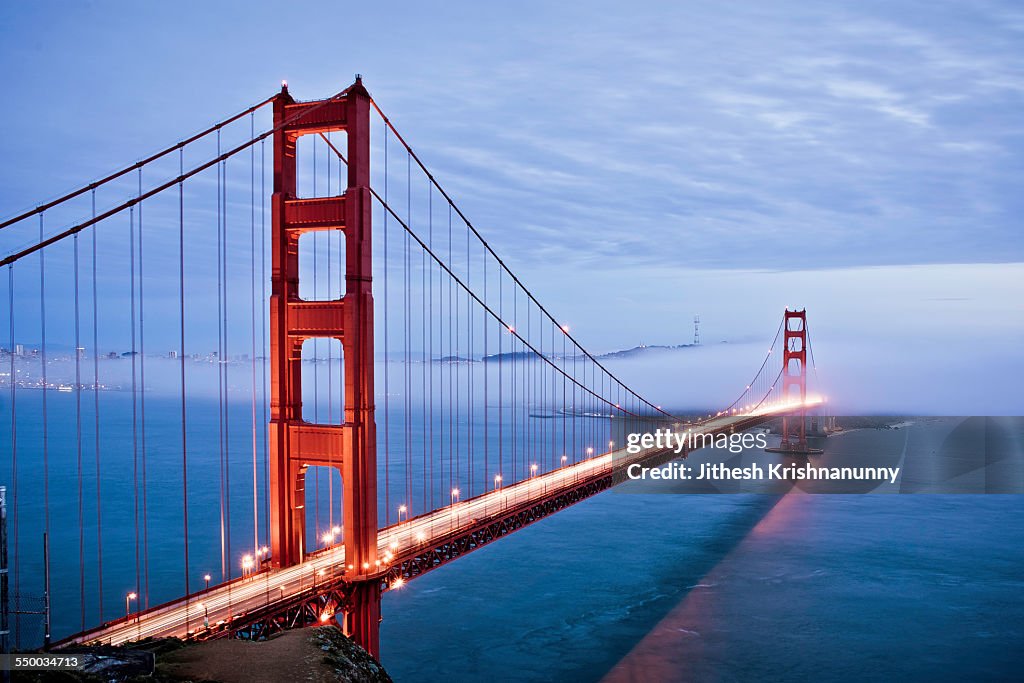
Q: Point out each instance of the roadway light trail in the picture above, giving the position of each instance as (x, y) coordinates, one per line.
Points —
(222, 604)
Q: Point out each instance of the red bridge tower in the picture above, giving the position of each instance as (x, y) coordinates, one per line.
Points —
(794, 375)
(294, 443)
(794, 372)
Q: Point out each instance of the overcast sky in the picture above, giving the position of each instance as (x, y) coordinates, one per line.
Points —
(680, 157)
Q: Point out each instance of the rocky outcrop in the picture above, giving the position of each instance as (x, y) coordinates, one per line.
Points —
(315, 655)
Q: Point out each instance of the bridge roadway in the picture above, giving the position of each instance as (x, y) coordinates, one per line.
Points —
(225, 602)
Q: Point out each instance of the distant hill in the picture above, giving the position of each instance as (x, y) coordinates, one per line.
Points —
(637, 350)
(511, 356)
(530, 355)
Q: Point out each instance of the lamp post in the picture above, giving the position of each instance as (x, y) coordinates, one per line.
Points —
(206, 615)
(403, 510)
(127, 603)
(497, 482)
(206, 578)
(246, 565)
(455, 499)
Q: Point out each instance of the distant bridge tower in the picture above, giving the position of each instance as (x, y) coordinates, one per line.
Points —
(696, 330)
(296, 444)
(794, 375)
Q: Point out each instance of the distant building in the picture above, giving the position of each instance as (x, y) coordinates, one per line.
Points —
(173, 355)
(112, 355)
(19, 349)
(80, 351)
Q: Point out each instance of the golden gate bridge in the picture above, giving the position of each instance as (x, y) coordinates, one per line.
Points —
(395, 400)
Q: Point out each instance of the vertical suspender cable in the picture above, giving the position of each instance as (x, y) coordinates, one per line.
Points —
(78, 441)
(470, 392)
(252, 331)
(96, 415)
(551, 400)
(263, 349)
(181, 366)
(46, 443)
(424, 399)
(453, 402)
(563, 406)
(330, 364)
(135, 399)
(387, 359)
(224, 361)
(430, 240)
(529, 396)
(341, 349)
(483, 319)
(14, 457)
(316, 369)
(220, 360)
(513, 381)
(407, 336)
(142, 407)
(501, 380)
(452, 348)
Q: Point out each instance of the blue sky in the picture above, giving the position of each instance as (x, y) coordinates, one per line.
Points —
(814, 134)
(664, 152)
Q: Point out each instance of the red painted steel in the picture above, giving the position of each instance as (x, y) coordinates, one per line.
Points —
(294, 443)
(794, 373)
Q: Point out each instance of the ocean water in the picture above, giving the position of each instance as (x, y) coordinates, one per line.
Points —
(141, 489)
(622, 587)
(728, 587)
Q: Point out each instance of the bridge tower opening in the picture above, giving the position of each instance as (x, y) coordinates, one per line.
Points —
(296, 444)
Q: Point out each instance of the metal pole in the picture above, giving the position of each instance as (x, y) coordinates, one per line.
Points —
(46, 591)
(4, 601)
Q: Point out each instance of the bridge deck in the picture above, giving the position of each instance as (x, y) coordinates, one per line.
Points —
(231, 601)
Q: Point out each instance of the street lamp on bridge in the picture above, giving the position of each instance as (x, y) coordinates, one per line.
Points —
(452, 519)
(403, 510)
(206, 578)
(127, 603)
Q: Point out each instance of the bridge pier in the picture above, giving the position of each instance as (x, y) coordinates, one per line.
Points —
(361, 620)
